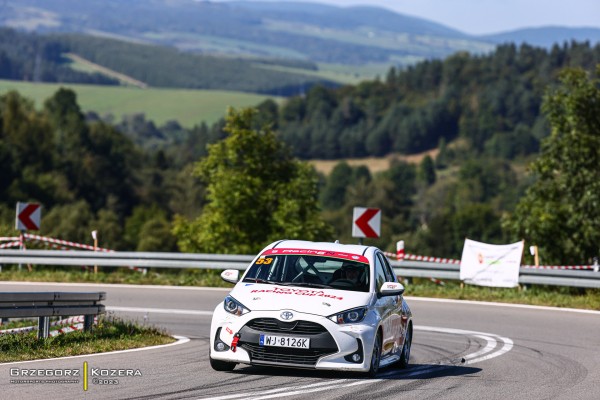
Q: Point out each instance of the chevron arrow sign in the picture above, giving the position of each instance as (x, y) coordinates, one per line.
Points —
(28, 216)
(366, 222)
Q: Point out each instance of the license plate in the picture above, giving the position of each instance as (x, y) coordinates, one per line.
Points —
(284, 341)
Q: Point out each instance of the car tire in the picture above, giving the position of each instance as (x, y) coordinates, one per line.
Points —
(219, 365)
(405, 356)
(375, 357)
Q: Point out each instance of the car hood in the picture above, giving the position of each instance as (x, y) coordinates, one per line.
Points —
(325, 302)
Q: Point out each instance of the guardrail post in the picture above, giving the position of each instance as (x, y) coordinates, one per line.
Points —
(596, 266)
(43, 327)
(88, 322)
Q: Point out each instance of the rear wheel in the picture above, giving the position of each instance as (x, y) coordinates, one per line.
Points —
(375, 357)
(405, 356)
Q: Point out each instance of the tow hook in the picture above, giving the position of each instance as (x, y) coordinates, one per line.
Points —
(234, 342)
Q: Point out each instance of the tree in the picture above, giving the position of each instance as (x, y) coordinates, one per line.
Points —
(256, 192)
(333, 192)
(426, 171)
(561, 210)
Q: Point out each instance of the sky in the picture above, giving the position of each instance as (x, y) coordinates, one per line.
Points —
(490, 16)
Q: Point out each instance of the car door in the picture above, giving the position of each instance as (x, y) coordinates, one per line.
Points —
(396, 323)
(385, 308)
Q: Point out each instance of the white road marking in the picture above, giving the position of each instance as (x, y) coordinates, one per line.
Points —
(159, 310)
(508, 345)
(492, 304)
(491, 345)
(279, 390)
(119, 285)
(483, 354)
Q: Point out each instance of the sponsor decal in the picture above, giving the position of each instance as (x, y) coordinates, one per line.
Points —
(334, 254)
(298, 292)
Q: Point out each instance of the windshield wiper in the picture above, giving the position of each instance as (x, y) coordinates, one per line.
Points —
(306, 284)
(259, 280)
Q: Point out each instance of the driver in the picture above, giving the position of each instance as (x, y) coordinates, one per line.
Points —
(354, 273)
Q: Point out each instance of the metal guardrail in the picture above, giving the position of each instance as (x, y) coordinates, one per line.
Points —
(527, 276)
(48, 304)
(125, 259)
(409, 269)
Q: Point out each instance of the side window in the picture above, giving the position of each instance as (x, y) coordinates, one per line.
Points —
(380, 277)
(390, 276)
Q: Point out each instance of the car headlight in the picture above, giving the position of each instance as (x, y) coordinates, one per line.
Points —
(234, 307)
(350, 316)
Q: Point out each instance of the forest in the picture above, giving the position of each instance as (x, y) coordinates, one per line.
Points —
(489, 117)
(493, 101)
(41, 58)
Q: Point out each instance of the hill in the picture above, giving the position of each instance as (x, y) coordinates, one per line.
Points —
(328, 35)
(546, 36)
(319, 33)
(50, 58)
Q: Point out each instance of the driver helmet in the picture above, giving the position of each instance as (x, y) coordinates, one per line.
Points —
(352, 269)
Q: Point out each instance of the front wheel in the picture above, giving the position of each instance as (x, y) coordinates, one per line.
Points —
(405, 356)
(219, 365)
(375, 357)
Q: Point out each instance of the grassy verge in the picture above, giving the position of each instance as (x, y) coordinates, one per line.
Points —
(109, 335)
(552, 296)
(533, 295)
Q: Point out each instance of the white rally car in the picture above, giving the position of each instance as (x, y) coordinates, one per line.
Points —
(313, 305)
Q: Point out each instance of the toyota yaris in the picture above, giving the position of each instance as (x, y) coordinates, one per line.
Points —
(313, 305)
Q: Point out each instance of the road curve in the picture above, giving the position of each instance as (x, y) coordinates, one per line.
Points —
(461, 350)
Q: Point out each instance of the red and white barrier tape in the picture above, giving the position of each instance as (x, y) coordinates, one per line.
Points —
(65, 243)
(423, 258)
(10, 244)
(570, 267)
(71, 328)
(66, 329)
(61, 244)
(400, 256)
(76, 323)
(451, 261)
(9, 238)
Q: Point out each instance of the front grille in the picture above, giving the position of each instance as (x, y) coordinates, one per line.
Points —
(284, 355)
(321, 342)
(272, 325)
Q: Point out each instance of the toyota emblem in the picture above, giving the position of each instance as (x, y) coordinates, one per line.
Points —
(287, 315)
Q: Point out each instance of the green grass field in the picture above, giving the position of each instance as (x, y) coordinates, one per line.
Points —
(188, 107)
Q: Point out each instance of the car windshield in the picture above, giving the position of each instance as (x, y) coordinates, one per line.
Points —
(315, 271)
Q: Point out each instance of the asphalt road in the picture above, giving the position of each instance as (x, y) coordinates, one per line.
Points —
(461, 351)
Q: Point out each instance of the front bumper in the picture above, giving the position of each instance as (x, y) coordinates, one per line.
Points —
(331, 345)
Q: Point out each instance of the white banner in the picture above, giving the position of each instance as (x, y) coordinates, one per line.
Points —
(491, 265)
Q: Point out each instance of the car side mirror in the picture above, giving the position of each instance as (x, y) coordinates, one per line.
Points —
(391, 289)
(230, 275)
